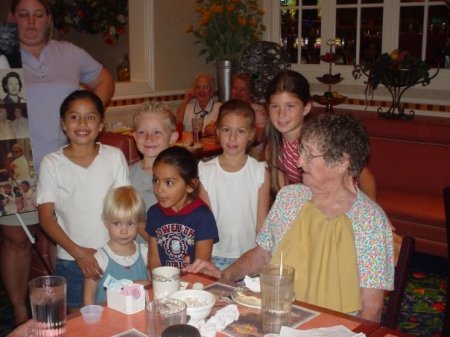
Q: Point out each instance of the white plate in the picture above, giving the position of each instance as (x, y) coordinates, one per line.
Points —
(246, 297)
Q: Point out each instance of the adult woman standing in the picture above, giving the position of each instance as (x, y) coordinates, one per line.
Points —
(52, 69)
(328, 223)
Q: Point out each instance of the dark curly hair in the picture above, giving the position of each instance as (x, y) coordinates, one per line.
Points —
(336, 135)
(11, 74)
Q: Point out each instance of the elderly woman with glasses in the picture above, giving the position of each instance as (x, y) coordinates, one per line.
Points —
(338, 240)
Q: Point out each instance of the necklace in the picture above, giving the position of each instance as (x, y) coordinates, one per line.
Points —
(203, 112)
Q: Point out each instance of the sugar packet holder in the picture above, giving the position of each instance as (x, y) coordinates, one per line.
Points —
(124, 295)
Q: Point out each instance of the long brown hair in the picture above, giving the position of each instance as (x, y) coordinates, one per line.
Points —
(296, 84)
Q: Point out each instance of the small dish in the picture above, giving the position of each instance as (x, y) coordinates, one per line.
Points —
(91, 313)
(199, 302)
(246, 297)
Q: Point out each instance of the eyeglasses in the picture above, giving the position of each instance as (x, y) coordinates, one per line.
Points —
(308, 156)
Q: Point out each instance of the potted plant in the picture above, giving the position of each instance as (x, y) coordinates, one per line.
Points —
(397, 71)
(225, 28)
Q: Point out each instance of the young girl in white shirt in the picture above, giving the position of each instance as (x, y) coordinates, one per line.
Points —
(235, 185)
(72, 184)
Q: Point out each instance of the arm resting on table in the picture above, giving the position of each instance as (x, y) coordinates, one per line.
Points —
(248, 264)
(372, 304)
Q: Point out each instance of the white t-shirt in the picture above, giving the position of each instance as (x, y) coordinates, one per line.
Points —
(77, 193)
(234, 202)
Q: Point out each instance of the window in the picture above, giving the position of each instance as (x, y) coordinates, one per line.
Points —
(141, 51)
(363, 29)
(302, 17)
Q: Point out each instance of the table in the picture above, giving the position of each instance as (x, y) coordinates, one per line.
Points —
(209, 145)
(114, 322)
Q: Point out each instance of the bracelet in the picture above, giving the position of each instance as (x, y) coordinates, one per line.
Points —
(81, 254)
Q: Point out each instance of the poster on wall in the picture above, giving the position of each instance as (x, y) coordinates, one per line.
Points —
(17, 176)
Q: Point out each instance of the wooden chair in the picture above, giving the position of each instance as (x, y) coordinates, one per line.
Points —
(446, 322)
(404, 249)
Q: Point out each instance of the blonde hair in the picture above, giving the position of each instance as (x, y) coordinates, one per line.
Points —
(157, 108)
(123, 204)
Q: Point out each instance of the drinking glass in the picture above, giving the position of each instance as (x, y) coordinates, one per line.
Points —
(163, 313)
(48, 306)
(277, 292)
(197, 129)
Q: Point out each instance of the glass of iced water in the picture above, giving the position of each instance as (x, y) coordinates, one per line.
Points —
(277, 292)
(48, 305)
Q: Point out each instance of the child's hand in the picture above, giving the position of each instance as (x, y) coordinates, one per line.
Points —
(88, 264)
(205, 267)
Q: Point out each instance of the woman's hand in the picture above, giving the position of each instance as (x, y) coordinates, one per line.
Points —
(88, 264)
(189, 94)
(209, 129)
(205, 267)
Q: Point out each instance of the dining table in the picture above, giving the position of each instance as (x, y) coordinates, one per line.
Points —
(114, 322)
(207, 147)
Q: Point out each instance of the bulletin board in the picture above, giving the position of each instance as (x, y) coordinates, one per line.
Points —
(17, 174)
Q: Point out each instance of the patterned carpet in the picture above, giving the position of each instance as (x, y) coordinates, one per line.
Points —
(421, 312)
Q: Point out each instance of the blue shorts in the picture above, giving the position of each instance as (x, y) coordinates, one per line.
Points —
(75, 281)
(222, 262)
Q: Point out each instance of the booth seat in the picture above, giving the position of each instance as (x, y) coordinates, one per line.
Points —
(411, 163)
(123, 142)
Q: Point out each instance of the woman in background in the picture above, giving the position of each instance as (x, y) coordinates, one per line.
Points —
(52, 69)
(199, 102)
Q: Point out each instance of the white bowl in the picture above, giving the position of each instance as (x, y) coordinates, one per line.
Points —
(91, 313)
(199, 302)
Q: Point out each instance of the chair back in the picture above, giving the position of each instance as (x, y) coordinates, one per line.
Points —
(403, 252)
(262, 60)
(446, 322)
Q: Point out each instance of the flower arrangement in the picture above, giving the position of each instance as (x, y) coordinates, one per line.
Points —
(227, 27)
(107, 17)
(398, 68)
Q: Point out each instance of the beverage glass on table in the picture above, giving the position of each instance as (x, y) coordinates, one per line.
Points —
(163, 313)
(165, 280)
(277, 292)
(48, 306)
(197, 129)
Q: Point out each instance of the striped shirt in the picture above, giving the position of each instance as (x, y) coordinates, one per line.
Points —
(288, 161)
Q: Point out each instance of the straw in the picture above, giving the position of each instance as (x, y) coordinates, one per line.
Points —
(281, 263)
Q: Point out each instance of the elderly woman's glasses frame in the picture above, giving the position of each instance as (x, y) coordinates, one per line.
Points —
(308, 156)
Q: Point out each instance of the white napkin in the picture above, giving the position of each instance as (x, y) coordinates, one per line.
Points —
(252, 283)
(218, 322)
(332, 331)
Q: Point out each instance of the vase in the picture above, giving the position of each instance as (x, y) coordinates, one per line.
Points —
(225, 71)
